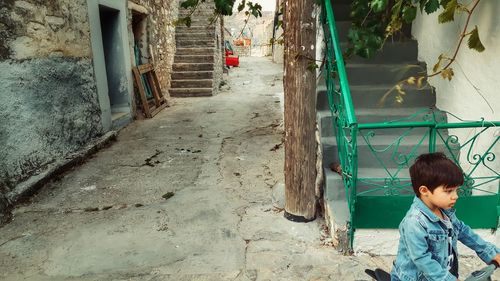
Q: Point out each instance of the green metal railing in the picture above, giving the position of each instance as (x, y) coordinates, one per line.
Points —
(380, 200)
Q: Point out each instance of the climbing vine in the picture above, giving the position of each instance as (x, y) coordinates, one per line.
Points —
(375, 21)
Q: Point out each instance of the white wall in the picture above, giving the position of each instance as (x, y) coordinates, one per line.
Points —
(457, 96)
(472, 69)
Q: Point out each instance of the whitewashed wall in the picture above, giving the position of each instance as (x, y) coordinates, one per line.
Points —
(472, 69)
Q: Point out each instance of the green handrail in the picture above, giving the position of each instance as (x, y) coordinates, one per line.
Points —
(344, 84)
(387, 125)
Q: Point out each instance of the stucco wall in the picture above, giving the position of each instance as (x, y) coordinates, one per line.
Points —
(472, 69)
(48, 101)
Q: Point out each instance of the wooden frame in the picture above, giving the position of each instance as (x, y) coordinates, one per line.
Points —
(159, 101)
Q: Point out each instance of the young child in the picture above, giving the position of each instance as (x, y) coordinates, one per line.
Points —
(430, 230)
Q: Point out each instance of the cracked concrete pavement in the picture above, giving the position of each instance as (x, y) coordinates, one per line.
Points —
(184, 196)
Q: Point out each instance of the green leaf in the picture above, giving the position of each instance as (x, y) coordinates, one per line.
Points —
(447, 73)
(431, 6)
(421, 4)
(224, 7)
(438, 64)
(474, 41)
(312, 66)
(189, 4)
(241, 6)
(255, 9)
(449, 12)
(443, 3)
(409, 13)
(378, 5)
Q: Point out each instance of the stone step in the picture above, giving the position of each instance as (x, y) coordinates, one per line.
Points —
(334, 186)
(194, 51)
(191, 92)
(192, 83)
(364, 116)
(194, 58)
(195, 43)
(392, 149)
(397, 52)
(192, 66)
(188, 75)
(194, 35)
(375, 115)
(382, 97)
(197, 21)
(342, 28)
(369, 74)
(204, 16)
(195, 28)
(341, 11)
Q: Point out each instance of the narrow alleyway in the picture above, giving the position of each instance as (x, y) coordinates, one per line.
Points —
(184, 196)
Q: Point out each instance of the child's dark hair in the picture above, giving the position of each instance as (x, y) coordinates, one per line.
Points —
(434, 169)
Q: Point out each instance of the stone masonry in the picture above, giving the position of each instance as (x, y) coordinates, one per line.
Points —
(159, 34)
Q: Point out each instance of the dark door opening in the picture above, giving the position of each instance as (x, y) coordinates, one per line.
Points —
(114, 61)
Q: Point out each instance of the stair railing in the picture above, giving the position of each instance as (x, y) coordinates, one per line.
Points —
(341, 107)
(384, 199)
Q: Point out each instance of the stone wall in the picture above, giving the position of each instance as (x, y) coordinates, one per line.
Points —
(219, 54)
(48, 101)
(262, 37)
(242, 51)
(39, 28)
(159, 37)
(257, 31)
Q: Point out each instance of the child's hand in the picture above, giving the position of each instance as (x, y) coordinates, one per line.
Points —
(497, 259)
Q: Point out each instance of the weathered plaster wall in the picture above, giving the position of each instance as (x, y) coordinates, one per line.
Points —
(161, 34)
(48, 101)
(472, 69)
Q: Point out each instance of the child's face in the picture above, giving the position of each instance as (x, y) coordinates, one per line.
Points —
(443, 197)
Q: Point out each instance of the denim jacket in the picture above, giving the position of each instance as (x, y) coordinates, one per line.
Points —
(423, 245)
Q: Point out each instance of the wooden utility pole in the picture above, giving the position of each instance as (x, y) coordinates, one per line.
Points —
(299, 83)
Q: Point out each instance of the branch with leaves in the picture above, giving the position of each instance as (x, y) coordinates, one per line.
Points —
(222, 8)
(375, 21)
(474, 42)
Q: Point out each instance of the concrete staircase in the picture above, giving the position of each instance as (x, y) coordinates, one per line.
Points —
(196, 52)
(369, 81)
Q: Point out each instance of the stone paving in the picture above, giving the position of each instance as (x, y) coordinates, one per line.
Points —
(187, 195)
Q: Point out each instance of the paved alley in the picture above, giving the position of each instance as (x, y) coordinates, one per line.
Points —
(187, 195)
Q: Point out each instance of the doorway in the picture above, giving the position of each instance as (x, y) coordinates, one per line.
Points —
(114, 63)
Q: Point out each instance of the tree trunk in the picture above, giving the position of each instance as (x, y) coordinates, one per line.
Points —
(300, 110)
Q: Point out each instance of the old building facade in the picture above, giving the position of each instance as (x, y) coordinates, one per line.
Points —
(65, 70)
